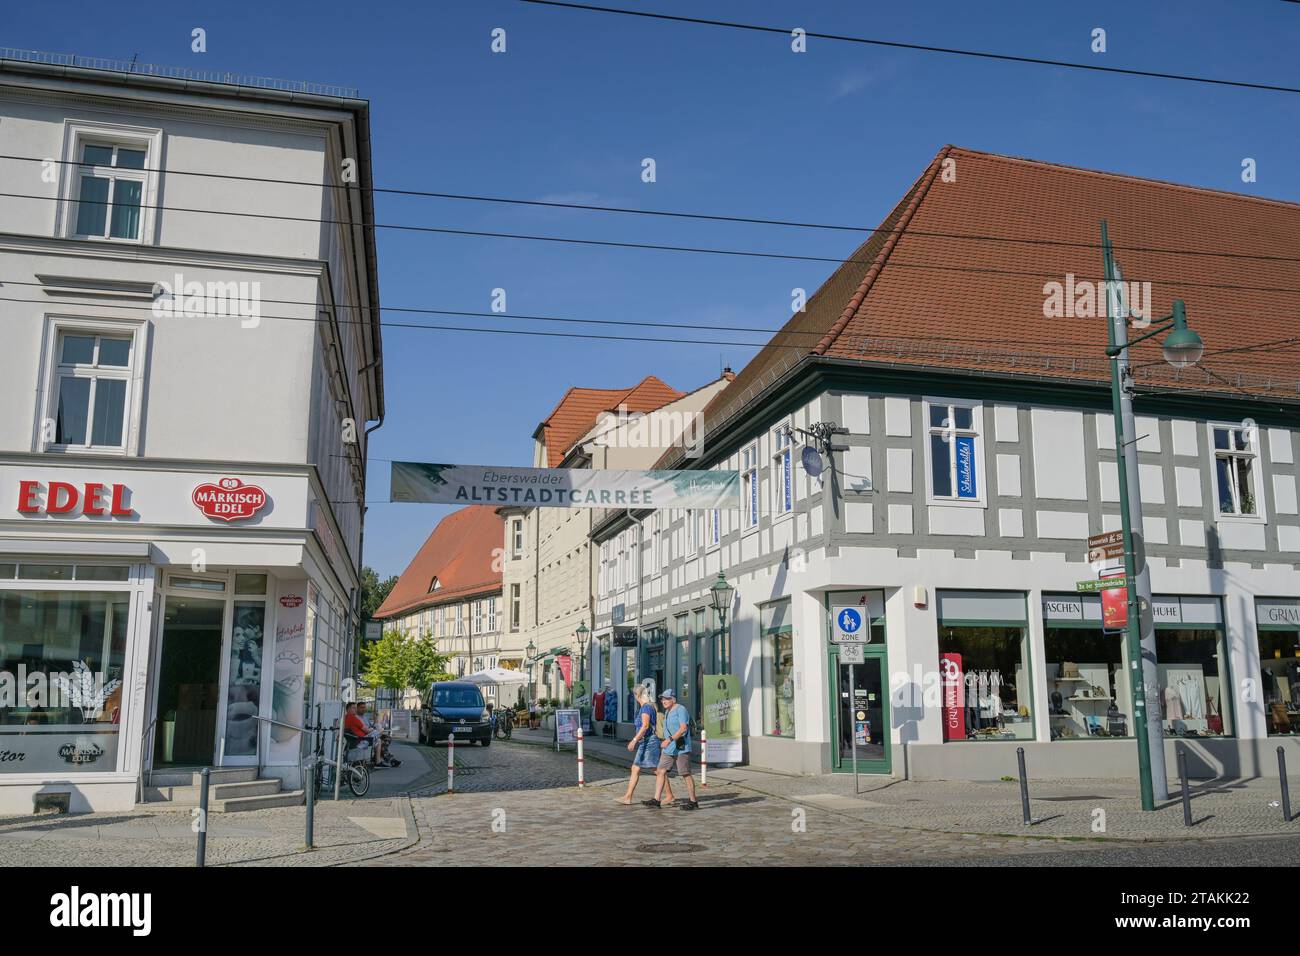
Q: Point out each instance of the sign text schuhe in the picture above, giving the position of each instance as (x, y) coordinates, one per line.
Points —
(64, 498)
(563, 487)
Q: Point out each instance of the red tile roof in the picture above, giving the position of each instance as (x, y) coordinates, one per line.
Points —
(913, 295)
(459, 555)
(580, 408)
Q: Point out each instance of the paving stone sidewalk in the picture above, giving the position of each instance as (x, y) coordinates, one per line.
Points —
(1086, 808)
(345, 831)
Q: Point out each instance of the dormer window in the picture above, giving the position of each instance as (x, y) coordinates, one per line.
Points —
(436, 585)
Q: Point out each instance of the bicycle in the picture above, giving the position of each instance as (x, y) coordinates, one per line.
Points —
(356, 774)
(503, 723)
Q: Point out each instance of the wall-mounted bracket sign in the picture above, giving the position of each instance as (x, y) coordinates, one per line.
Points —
(229, 499)
(563, 487)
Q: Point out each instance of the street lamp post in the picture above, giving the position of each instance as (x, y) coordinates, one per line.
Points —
(531, 651)
(720, 595)
(584, 635)
(1182, 348)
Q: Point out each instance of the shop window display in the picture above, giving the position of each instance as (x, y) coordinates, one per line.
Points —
(985, 674)
(1279, 672)
(1087, 685)
(1192, 681)
(61, 660)
(778, 671)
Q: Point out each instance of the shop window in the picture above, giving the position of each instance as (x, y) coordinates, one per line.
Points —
(1192, 679)
(1236, 472)
(778, 670)
(984, 666)
(1279, 672)
(72, 647)
(954, 466)
(1087, 680)
(244, 687)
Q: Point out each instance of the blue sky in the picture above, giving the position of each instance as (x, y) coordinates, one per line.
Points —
(737, 125)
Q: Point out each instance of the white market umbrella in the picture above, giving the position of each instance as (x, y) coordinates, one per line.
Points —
(495, 676)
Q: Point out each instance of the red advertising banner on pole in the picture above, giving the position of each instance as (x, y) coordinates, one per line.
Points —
(1114, 608)
(565, 663)
(951, 684)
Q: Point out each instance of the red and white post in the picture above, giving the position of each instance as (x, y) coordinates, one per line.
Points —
(704, 758)
(451, 762)
(581, 781)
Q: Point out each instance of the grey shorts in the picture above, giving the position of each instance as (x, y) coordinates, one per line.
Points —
(682, 762)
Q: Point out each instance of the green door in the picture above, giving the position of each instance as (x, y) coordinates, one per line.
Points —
(860, 709)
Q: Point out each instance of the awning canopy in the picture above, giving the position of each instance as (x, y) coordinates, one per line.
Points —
(495, 675)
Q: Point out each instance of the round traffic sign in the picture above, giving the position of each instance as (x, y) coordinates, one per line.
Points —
(849, 620)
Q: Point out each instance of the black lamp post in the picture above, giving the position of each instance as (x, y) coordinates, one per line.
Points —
(531, 651)
(584, 636)
(720, 595)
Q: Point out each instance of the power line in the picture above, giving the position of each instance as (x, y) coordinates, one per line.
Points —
(672, 214)
(919, 47)
(935, 340)
(659, 247)
(523, 317)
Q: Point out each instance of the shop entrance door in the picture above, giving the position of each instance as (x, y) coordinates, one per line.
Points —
(861, 710)
(189, 676)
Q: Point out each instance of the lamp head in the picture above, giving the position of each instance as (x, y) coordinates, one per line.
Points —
(1182, 347)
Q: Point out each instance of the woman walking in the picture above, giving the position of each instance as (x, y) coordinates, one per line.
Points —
(645, 745)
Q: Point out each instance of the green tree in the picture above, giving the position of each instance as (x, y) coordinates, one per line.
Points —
(373, 592)
(399, 660)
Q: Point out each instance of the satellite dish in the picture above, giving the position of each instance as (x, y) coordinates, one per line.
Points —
(812, 461)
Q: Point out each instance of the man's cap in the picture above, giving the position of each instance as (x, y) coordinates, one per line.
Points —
(668, 694)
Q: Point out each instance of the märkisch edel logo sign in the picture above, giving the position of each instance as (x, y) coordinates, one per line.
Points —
(229, 499)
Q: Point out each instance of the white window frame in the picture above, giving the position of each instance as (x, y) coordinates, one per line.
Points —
(491, 615)
(47, 403)
(79, 133)
(1257, 473)
(460, 620)
(976, 431)
(516, 607)
(516, 538)
(751, 494)
(781, 475)
(690, 548)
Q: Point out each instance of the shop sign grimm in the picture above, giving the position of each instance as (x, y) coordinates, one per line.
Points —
(229, 499)
(1280, 613)
(64, 498)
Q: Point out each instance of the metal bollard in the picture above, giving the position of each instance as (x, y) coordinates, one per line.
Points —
(1024, 787)
(205, 779)
(1187, 796)
(311, 803)
(451, 762)
(581, 782)
(704, 758)
(1286, 789)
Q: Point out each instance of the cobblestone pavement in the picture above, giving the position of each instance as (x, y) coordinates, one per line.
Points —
(160, 836)
(1060, 808)
(518, 804)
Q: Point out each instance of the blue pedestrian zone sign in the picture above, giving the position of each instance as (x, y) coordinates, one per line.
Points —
(849, 626)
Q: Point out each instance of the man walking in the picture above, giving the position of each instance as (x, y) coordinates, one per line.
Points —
(676, 750)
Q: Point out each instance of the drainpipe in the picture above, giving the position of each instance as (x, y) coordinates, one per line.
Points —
(361, 542)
